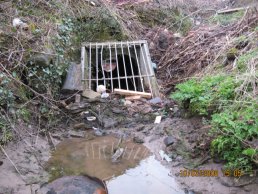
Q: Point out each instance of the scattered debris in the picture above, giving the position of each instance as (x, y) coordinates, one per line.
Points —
(101, 89)
(169, 140)
(18, 23)
(164, 156)
(119, 152)
(104, 95)
(132, 93)
(91, 118)
(158, 119)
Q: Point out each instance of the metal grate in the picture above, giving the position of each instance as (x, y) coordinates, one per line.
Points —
(118, 65)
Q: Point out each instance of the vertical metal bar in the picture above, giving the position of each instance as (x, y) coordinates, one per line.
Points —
(117, 66)
(140, 74)
(124, 66)
(90, 68)
(101, 61)
(147, 72)
(97, 66)
(83, 61)
(131, 65)
(110, 64)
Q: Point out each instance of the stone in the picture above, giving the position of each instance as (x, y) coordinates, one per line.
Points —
(138, 140)
(109, 122)
(90, 94)
(78, 134)
(169, 140)
(139, 127)
(79, 126)
(127, 102)
(156, 100)
(74, 184)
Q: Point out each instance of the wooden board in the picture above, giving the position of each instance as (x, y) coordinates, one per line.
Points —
(137, 97)
(132, 93)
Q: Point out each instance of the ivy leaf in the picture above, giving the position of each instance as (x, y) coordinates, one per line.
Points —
(249, 152)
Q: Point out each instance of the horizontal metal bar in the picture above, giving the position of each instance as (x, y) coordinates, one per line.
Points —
(138, 42)
(128, 77)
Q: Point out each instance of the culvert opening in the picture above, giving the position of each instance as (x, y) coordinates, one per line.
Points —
(118, 66)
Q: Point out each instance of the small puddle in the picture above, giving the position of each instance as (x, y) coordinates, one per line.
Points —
(149, 177)
(136, 172)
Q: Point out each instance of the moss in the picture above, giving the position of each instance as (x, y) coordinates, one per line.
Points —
(231, 54)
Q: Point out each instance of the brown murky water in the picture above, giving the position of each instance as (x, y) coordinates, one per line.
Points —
(93, 157)
(136, 172)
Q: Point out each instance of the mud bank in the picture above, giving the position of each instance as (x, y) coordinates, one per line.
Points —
(28, 166)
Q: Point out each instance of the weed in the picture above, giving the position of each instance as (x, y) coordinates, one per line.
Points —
(234, 125)
(236, 130)
(207, 95)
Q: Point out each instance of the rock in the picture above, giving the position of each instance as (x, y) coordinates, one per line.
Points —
(139, 127)
(79, 126)
(90, 94)
(169, 140)
(78, 134)
(1, 163)
(138, 140)
(109, 122)
(156, 100)
(99, 132)
(74, 184)
(127, 102)
(117, 110)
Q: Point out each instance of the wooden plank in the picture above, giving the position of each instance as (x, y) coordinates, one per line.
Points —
(231, 10)
(137, 97)
(132, 93)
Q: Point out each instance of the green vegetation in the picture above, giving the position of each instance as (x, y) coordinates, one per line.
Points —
(236, 132)
(234, 117)
(207, 95)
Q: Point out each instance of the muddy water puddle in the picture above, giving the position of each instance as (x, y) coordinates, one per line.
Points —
(136, 171)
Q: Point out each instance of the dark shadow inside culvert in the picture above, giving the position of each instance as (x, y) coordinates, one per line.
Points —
(123, 71)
